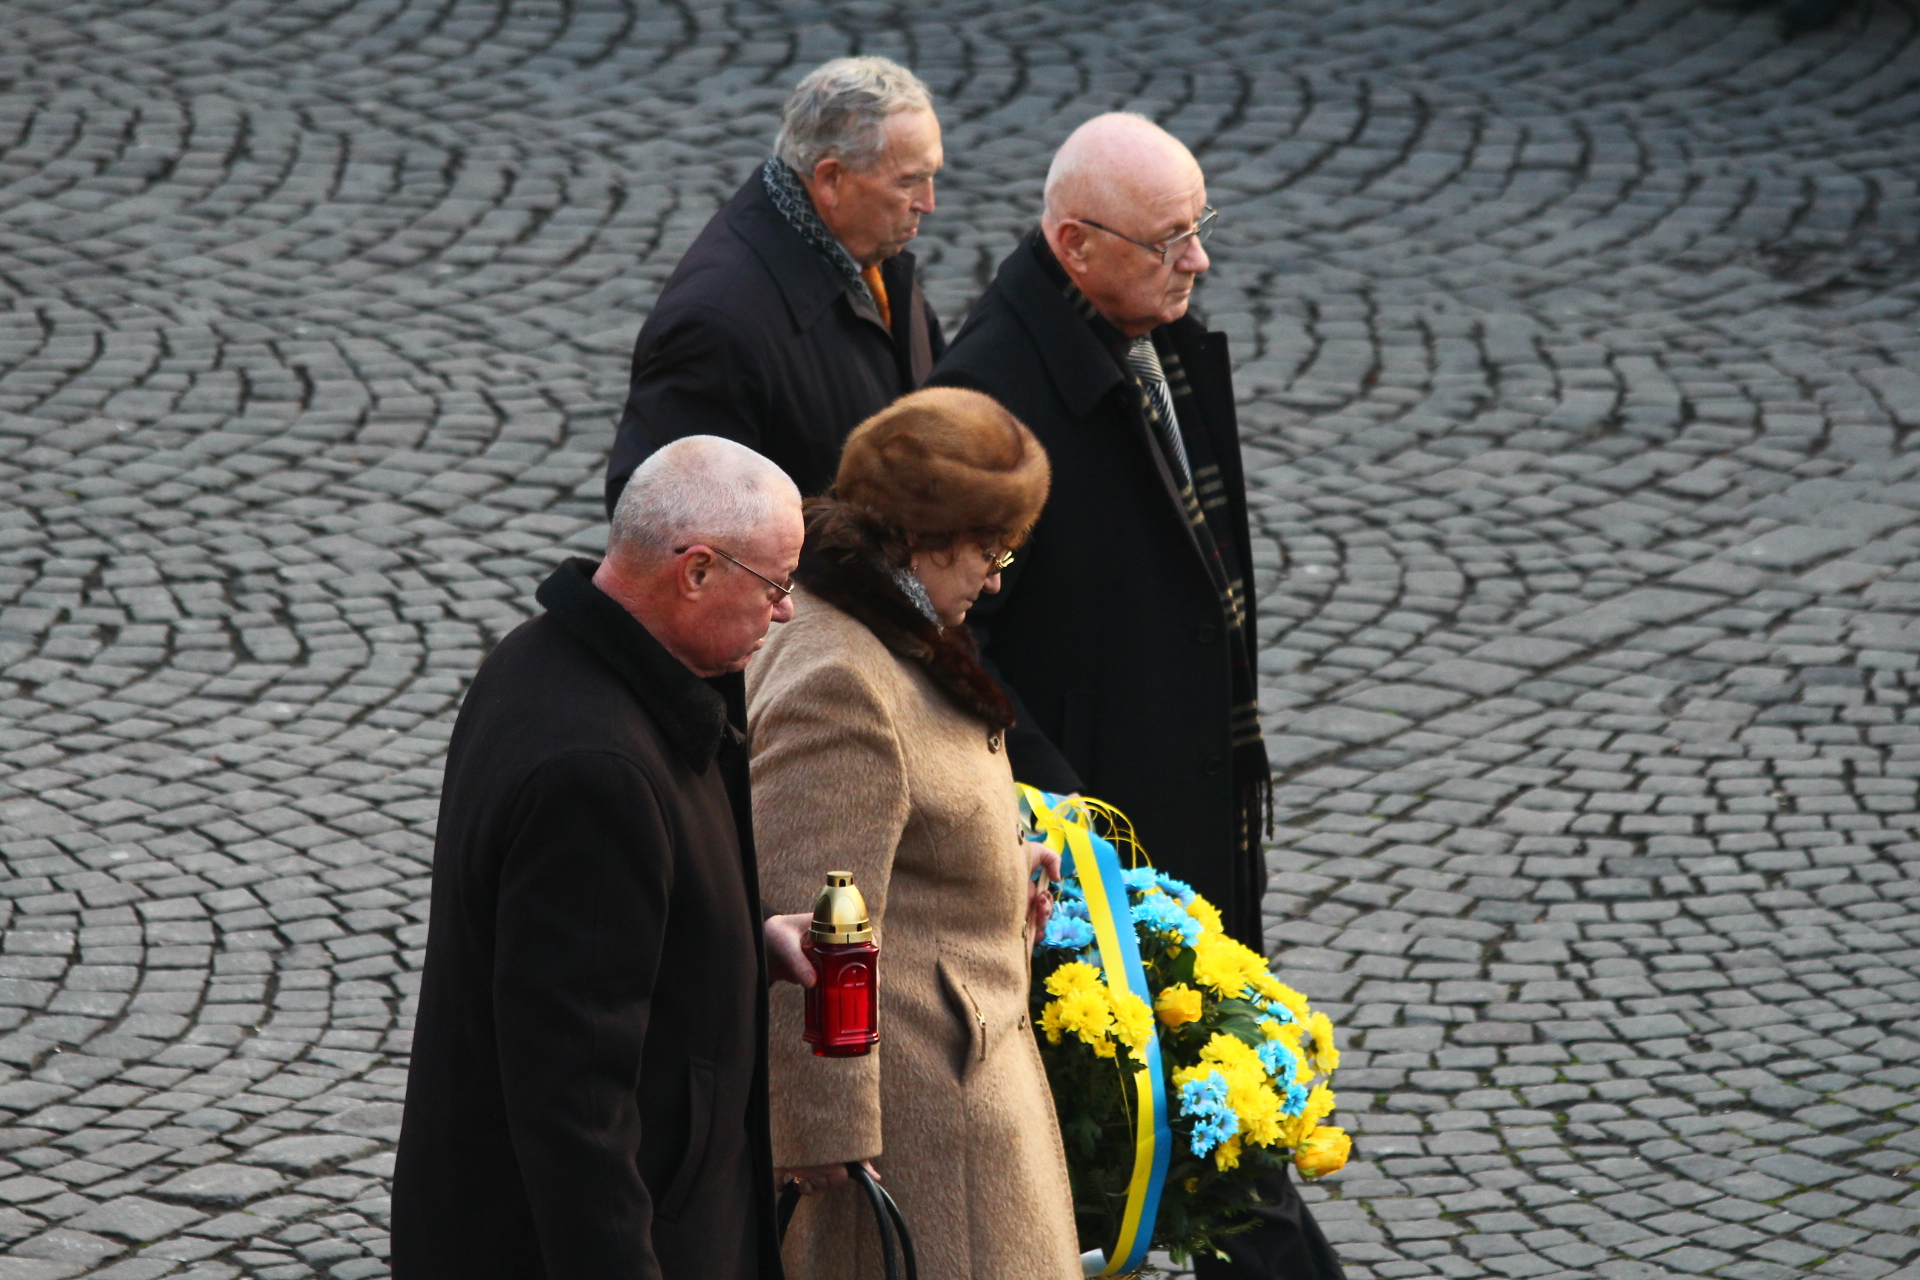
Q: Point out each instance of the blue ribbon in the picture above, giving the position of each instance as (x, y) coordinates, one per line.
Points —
(1094, 859)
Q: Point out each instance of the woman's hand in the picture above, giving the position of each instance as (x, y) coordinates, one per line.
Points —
(1040, 895)
(786, 962)
(814, 1178)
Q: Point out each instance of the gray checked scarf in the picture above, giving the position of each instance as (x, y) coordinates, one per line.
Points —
(796, 206)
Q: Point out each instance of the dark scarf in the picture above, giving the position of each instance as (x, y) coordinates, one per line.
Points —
(796, 206)
(1204, 502)
(844, 564)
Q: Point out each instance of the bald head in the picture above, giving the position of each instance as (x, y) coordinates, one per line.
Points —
(698, 489)
(706, 533)
(1121, 194)
(1113, 164)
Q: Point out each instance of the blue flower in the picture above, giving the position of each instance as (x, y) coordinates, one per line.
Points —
(1070, 888)
(1277, 1059)
(1177, 888)
(1074, 908)
(1213, 1120)
(1067, 933)
(1294, 1100)
(1278, 1012)
(1162, 914)
(1141, 879)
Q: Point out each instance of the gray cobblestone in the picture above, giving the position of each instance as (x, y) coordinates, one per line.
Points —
(1577, 345)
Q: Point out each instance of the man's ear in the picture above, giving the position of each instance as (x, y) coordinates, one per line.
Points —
(696, 574)
(1070, 245)
(825, 183)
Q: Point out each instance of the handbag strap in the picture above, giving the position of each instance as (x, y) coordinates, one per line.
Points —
(896, 1242)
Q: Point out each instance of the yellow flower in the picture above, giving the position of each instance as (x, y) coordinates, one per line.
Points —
(1320, 1104)
(1225, 965)
(1227, 1155)
(1207, 914)
(1132, 1024)
(1326, 1055)
(1077, 976)
(1254, 1102)
(1324, 1151)
(1178, 1005)
(1287, 1033)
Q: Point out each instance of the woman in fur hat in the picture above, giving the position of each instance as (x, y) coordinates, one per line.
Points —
(879, 746)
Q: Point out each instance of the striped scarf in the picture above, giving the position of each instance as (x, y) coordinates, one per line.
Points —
(783, 187)
(1203, 497)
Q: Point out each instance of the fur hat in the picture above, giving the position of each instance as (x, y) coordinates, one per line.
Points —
(945, 462)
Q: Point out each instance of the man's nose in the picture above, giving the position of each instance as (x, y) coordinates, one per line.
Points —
(783, 609)
(923, 203)
(1193, 258)
(992, 585)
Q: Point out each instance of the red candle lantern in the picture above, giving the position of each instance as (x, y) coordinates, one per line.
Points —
(843, 1002)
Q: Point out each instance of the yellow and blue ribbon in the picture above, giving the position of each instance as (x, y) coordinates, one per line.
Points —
(1067, 827)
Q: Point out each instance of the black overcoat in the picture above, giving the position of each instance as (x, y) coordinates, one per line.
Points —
(587, 1098)
(1108, 628)
(757, 338)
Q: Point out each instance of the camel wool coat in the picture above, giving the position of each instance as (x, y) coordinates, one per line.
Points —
(861, 763)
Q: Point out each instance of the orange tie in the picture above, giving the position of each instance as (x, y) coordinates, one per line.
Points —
(872, 276)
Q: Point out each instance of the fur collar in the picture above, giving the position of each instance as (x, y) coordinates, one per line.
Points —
(850, 579)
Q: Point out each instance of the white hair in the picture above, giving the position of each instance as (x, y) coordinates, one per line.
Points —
(840, 109)
(697, 489)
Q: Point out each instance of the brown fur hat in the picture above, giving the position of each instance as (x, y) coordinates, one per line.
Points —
(945, 462)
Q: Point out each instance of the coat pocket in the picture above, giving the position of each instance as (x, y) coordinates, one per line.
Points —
(699, 1130)
(972, 1048)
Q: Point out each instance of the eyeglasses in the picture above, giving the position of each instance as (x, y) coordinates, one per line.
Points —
(1169, 251)
(784, 588)
(1000, 562)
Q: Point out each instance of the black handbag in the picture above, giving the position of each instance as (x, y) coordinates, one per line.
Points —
(896, 1242)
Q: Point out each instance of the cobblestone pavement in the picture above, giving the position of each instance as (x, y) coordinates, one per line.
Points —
(1577, 341)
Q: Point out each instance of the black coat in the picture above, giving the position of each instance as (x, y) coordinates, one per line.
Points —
(587, 1099)
(1108, 627)
(757, 338)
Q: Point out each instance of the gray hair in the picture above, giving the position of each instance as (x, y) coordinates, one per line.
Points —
(840, 110)
(697, 489)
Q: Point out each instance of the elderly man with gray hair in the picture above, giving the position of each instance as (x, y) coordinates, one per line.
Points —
(588, 1093)
(795, 315)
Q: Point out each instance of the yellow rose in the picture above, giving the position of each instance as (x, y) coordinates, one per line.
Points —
(1178, 1005)
(1325, 1151)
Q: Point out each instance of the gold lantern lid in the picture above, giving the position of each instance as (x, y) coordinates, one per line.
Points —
(840, 913)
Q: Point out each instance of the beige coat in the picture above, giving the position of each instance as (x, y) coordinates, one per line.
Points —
(861, 762)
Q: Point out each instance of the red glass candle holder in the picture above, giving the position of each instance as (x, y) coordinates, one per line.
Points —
(843, 1004)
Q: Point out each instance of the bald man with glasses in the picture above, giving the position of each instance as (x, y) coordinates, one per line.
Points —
(1084, 336)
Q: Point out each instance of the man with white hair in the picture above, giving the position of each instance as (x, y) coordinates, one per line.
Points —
(587, 1098)
(796, 315)
(1084, 336)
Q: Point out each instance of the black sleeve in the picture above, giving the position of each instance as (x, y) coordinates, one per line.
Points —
(584, 890)
(1035, 760)
(693, 378)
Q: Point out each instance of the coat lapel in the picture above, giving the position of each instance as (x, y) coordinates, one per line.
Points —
(1082, 370)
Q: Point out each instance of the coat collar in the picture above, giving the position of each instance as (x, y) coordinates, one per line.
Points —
(1077, 349)
(808, 283)
(688, 710)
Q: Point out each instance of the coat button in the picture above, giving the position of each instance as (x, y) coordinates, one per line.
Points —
(993, 741)
(1213, 764)
(1205, 633)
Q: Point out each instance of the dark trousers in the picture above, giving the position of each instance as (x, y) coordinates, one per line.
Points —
(1284, 1244)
